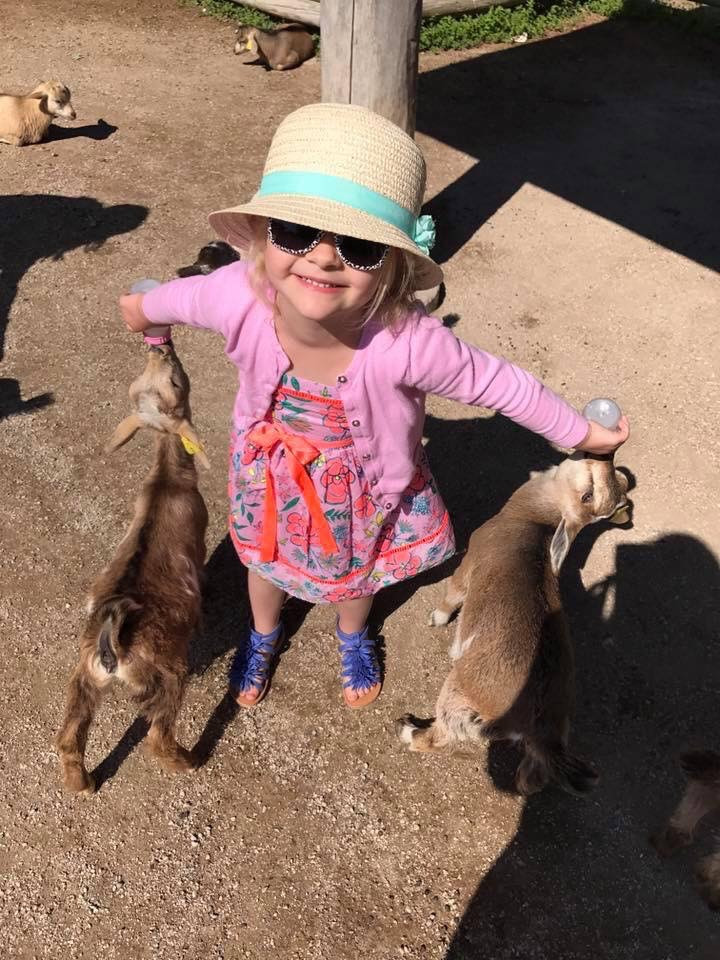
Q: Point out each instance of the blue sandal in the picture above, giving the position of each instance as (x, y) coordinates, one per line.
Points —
(250, 669)
(360, 667)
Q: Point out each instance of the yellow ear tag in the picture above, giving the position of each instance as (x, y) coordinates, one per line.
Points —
(248, 45)
(192, 448)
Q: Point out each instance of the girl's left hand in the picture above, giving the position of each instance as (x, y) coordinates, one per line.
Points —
(602, 441)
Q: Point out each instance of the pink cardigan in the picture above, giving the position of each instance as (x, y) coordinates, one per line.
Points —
(383, 390)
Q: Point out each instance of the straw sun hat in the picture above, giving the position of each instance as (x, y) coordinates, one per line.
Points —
(344, 169)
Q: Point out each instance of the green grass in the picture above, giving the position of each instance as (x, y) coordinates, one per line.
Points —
(502, 24)
(225, 10)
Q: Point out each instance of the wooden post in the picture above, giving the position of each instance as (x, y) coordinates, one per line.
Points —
(369, 55)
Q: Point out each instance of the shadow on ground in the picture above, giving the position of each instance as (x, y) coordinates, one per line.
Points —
(587, 116)
(579, 879)
(91, 131)
(12, 403)
(36, 227)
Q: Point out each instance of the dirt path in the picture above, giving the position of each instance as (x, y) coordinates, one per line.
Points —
(575, 187)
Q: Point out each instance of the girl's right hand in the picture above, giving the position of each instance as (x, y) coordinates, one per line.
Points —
(601, 441)
(132, 313)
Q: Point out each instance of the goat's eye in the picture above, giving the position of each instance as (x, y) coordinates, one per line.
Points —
(587, 497)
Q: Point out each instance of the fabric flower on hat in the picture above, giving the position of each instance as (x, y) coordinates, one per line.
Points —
(424, 233)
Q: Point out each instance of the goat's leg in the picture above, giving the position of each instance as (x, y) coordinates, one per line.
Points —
(455, 593)
(293, 60)
(697, 801)
(161, 709)
(422, 736)
(456, 721)
(84, 696)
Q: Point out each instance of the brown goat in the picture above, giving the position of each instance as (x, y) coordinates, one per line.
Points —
(513, 672)
(25, 120)
(701, 797)
(144, 606)
(283, 48)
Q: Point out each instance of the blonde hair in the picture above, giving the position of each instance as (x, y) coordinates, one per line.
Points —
(394, 296)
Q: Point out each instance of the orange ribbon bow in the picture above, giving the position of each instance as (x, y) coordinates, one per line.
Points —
(299, 453)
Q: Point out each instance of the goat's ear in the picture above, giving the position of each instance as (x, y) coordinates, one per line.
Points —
(622, 515)
(185, 429)
(124, 432)
(561, 543)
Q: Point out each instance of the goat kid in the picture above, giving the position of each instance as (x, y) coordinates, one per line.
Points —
(25, 120)
(283, 48)
(513, 671)
(701, 797)
(144, 606)
(211, 257)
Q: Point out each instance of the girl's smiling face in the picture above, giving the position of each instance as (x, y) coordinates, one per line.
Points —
(317, 284)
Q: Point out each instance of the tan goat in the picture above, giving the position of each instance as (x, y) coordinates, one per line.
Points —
(513, 671)
(25, 120)
(701, 797)
(144, 606)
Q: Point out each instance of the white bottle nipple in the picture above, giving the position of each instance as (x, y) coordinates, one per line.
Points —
(145, 286)
(603, 411)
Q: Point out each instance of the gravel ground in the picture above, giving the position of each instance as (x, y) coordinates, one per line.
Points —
(575, 186)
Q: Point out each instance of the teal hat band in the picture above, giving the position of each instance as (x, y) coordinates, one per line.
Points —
(421, 230)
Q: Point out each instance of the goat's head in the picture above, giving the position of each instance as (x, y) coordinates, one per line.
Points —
(586, 490)
(160, 396)
(55, 98)
(246, 40)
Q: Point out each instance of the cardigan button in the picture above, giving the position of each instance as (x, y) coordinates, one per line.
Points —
(366, 456)
(356, 423)
(342, 379)
(388, 506)
(373, 483)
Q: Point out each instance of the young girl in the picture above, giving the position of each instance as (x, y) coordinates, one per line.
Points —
(331, 498)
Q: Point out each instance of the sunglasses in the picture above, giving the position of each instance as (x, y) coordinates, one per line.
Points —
(297, 239)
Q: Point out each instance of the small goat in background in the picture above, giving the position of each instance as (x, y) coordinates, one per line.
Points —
(701, 797)
(513, 672)
(144, 606)
(25, 120)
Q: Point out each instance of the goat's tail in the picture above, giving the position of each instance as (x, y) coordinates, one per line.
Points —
(113, 614)
(702, 766)
(550, 761)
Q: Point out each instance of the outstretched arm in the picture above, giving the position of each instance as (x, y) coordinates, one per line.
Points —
(440, 363)
(217, 302)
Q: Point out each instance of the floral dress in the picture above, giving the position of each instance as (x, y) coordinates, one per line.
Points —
(301, 512)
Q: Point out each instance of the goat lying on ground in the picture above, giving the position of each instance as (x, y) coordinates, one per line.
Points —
(211, 257)
(513, 672)
(283, 48)
(144, 606)
(25, 120)
(701, 797)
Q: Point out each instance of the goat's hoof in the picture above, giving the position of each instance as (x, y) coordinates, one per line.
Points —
(439, 618)
(181, 762)
(405, 727)
(76, 779)
(668, 840)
